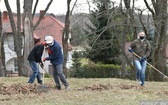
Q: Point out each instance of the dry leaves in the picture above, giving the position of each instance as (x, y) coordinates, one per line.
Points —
(23, 89)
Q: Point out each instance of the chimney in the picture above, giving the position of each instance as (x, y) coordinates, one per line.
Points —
(41, 13)
(5, 14)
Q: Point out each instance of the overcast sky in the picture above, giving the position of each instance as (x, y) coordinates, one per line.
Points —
(57, 6)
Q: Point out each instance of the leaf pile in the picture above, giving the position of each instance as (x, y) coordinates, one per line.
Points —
(131, 87)
(21, 89)
(101, 87)
(98, 87)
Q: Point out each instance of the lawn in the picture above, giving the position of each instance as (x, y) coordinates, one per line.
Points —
(98, 91)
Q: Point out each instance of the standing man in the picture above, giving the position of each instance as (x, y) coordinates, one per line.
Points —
(56, 58)
(141, 47)
(34, 57)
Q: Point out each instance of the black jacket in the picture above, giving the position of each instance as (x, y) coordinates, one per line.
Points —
(36, 53)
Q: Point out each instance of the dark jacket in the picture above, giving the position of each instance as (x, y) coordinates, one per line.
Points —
(141, 48)
(55, 54)
(36, 53)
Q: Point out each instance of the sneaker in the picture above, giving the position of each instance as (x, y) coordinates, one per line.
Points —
(139, 81)
(67, 88)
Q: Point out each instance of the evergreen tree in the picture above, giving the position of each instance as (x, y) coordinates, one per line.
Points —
(102, 42)
(76, 64)
(77, 34)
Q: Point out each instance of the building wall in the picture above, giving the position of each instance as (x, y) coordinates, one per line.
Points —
(10, 54)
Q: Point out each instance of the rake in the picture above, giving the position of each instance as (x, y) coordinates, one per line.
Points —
(46, 72)
(165, 76)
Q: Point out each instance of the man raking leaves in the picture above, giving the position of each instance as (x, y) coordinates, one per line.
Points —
(34, 57)
(56, 58)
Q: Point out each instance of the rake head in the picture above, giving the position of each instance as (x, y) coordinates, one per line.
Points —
(43, 88)
(165, 78)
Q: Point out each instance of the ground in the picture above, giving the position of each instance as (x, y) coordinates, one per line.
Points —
(102, 91)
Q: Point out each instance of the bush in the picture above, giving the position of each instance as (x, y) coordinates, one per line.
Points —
(99, 71)
(106, 71)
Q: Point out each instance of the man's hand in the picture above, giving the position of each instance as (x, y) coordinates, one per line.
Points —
(130, 50)
(142, 59)
(41, 64)
(44, 59)
(44, 43)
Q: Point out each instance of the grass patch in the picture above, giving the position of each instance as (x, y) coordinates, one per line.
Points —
(97, 91)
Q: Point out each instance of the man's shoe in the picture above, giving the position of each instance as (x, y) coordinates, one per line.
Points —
(139, 81)
(40, 83)
(67, 88)
(58, 87)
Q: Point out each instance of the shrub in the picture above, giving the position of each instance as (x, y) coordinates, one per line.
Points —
(99, 71)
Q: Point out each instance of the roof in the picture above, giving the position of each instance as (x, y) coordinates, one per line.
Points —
(49, 26)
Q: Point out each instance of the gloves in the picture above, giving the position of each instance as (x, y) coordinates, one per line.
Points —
(41, 64)
(142, 59)
(44, 43)
(130, 50)
(44, 59)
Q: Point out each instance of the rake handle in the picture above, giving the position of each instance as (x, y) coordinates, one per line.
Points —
(150, 65)
(46, 72)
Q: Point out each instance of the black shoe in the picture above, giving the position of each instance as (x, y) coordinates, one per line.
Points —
(58, 87)
(40, 82)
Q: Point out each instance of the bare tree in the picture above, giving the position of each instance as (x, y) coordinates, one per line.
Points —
(2, 55)
(29, 27)
(16, 29)
(159, 14)
(66, 31)
(127, 21)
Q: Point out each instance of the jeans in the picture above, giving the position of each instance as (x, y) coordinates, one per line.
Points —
(140, 70)
(36, 73)
(58, 74)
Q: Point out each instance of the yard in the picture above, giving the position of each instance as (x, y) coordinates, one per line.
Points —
(98, 91)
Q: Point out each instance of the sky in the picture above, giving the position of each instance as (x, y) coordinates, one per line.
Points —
(59, 6)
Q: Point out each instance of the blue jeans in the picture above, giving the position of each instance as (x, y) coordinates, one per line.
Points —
(58, 74)
(36, 73)
(140, 70)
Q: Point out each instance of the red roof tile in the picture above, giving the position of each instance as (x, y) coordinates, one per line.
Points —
(49, 26)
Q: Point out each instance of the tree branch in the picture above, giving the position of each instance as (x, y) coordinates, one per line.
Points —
(150, 9)
(34, 10)
(73, 7)
(42, 15)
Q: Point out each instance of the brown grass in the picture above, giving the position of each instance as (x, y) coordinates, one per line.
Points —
(104, 91)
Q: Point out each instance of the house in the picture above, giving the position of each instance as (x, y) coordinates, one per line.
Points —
(48, 26)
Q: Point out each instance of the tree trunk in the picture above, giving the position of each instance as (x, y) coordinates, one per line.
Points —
(129, 13)
(1, 49)
(29, 28)
(65, 36)
(2, 67)
(28, 44)
(2, 52)
(16, 35)
(159, 54)
(28, 34)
